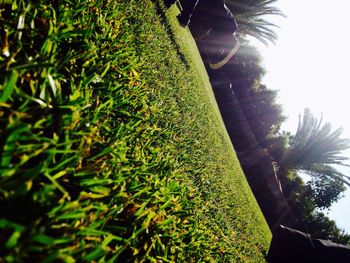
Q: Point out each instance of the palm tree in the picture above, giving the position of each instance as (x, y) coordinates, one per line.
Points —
(315, 148)
(250, 18)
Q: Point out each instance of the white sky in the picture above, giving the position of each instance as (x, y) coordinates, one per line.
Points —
(310, 67)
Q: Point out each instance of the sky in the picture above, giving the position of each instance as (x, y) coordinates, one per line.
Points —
(309, 65)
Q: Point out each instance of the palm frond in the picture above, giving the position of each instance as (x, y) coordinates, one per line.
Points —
(314, 142)
(315, 148)
(252, 20)
(322, 170)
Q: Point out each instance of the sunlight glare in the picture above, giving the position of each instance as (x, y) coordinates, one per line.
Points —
(310, 67)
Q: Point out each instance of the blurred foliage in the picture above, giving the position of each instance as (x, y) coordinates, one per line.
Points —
(320, 226)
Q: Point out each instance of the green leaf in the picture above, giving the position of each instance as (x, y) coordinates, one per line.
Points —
(106, 69)
(10, 84)
(10, 146)
(71, 215)
(57, 185)
(12, 241)
(44, 239)
(52, 85)
(101, 190)
(109, 239)
(5, 223)
(97, 253)
(18, 229)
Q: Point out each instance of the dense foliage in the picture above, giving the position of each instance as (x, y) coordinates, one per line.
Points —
(322, 227)
(313, 149)
(264, 114)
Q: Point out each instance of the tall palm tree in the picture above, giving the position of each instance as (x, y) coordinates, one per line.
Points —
(315, 148)
(250, 16)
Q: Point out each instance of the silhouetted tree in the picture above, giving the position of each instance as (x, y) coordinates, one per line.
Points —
(320, 226)
(250, 18)
(247, 65)
(314, 148)
(269, 113)
(277, 145)
(326, 191)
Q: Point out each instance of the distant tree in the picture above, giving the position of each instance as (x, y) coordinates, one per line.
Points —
(269, 112)
(305, 200)
(320, 226)
(246, 65)
(258, 103)
(297, 194)
(277, 145)
(315, 148)
(326, 191)
(316, 194)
